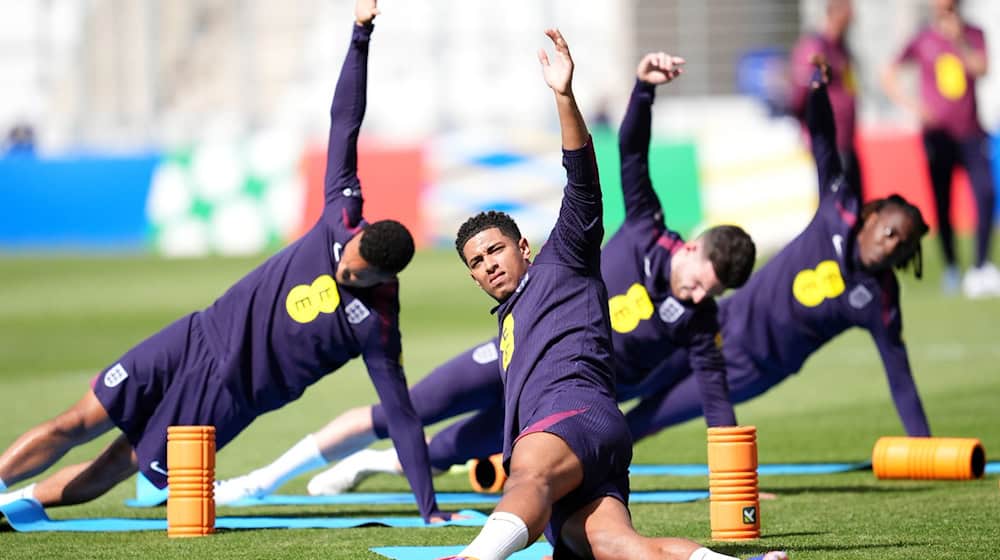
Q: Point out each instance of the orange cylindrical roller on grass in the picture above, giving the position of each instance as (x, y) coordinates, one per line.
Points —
(190, 481)
(487, 475)
(928, 458)
(733, 483)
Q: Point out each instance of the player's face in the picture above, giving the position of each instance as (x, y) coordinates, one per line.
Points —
(354, 271)
(692, 276)
(885, 239)
(496, 262)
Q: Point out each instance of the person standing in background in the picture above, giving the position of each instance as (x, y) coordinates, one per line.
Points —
(951, 56)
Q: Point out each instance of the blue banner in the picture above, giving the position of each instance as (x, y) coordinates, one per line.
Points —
(75, 203)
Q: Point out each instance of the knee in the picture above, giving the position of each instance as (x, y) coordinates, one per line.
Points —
(608, 544)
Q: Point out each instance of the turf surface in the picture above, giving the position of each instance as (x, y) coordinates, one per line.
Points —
(62, 319)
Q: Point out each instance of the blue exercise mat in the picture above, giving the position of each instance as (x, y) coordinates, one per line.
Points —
(536, 551)
(763, 470)
(28, 516)
(405, 498)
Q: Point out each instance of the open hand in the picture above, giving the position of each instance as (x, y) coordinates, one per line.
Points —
(659, 68)
(558, 72)
(365, 11)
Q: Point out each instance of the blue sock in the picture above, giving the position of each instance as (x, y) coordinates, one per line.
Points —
(3, 487)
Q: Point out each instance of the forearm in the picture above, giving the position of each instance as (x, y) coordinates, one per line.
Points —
(633, 147)
(411, 448)
(571, 123)
(635, 131)
(822, 135)
(903, 388)
(975, 61)
(714, 391)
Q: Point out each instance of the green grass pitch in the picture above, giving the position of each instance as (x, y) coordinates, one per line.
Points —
(61, 319)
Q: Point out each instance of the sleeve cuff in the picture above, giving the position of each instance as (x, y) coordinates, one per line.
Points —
(581, 164)
(645, 87)
(362, 32)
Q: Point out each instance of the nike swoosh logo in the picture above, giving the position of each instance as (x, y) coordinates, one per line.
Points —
(838, 244)
(155, 465)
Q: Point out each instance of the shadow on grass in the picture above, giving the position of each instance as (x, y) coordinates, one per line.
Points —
(742, 550)
(297, 511)
(854, 489)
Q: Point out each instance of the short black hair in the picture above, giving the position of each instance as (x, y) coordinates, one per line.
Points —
(387, 245)
(731, 252)
(914, 252)
(484, 221)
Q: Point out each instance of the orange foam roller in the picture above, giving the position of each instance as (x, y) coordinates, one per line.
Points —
(191, 447)
(190, 481)
(928, 458)
(732, 448)
(733, 483)
(488, 475)
(735, 519)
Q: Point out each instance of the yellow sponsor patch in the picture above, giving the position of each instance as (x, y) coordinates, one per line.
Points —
(718, 340)
(812, 286)
(628, 309)
(306, 301)
(850, 82)
(949, 73)
(507, 341)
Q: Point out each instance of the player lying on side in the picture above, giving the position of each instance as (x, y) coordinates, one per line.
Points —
(327, 298)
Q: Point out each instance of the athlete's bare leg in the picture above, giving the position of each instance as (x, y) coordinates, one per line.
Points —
(40, 447)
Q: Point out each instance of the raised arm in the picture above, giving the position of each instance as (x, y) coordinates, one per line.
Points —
(576, 238)
(823, 133)
(348, 110)
(641, 201)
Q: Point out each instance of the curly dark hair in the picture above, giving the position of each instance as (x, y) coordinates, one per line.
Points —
(731, 252)
(483, 221)
(387, 245)
(913, 251)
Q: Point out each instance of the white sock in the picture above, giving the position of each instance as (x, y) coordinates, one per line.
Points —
(706, 554)
(26, 493)
(302, 457)
(503, 534)
(3, 487)
(384, 461)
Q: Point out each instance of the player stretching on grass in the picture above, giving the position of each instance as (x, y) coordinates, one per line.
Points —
(835, 275)
(566, 445)
(327, 298)
(661, 290)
